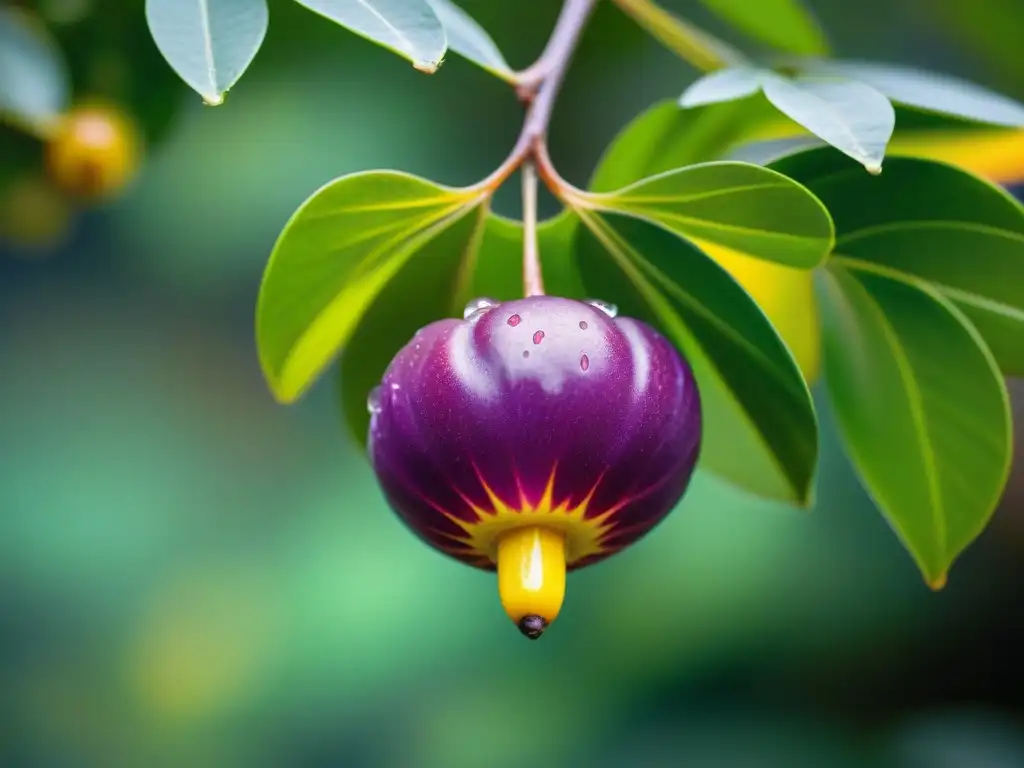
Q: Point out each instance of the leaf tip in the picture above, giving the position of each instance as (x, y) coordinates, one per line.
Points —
(938, 583)
(426, 67)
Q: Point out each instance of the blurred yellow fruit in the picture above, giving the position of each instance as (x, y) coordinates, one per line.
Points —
(786, 296)
(93, 153)
(33, 214)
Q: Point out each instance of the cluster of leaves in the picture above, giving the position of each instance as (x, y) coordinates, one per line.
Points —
(917, 268)
(922, 315)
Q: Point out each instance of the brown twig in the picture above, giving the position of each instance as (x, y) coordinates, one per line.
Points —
(538, 87)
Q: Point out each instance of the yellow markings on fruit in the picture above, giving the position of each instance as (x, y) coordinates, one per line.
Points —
(531, 577)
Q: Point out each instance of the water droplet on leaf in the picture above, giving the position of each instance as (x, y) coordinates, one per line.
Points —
(609, 309)
(477, 305)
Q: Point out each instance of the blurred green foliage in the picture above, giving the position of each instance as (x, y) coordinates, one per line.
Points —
(191, 575)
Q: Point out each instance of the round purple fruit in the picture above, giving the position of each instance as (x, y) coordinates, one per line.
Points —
(534, 437)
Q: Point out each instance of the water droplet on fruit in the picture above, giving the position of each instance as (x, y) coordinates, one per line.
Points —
(514, 320)
(584, 362)
(609, 309)
(373, 401)
(538, 337)
(583, 325)
(477, 305)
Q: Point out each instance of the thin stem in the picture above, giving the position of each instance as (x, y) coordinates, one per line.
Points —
(533, 281)
(693, 45)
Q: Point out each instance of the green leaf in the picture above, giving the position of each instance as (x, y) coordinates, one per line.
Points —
(852, 117)
(432, 284)
(921, 408)
(332, 260)
(470, 40)
(742, 207)
(481, 255)
(927, 90)
(666, 137)
(927, 220)
(34, 83)
(209, 43)
(410, 28)
(760, 429)
(784, 24)
(724, 85)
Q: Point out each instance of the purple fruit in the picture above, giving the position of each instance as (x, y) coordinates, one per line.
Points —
(533, 437)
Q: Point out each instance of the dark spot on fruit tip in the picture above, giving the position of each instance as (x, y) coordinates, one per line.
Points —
(514, 320)
(583, 325)
(532, 626)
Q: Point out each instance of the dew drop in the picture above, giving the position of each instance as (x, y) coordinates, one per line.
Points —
(609, 309)
(526, 353)
(584, 362)
(538, 337)
(583, 325)
(477, 305)
(515, 320)
(374, 401)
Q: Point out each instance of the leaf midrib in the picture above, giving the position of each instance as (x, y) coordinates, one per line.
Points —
(957, 294)
(915, 399)
(831, 110)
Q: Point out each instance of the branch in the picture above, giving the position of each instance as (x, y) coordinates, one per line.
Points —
(538, 87)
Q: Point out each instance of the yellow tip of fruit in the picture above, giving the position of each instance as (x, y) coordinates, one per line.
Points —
(531, 577)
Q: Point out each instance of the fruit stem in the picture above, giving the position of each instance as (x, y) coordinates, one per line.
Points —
(531, 577)
(533, 280)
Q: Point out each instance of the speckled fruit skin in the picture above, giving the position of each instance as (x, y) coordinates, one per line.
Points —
(543, 411)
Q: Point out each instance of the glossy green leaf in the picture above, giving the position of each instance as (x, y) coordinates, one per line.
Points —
(784, 24)
(209, 43)
(723, 85)
(852, 117)
(927, 220)
(470, 40)
(746, 208)
(930, 91)
(34, 83)
(334, 257)
(760, 429)
(410, 28)
(922, 409)
(666, 137)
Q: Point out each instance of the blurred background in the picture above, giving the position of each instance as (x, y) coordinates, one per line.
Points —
(192, 575)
